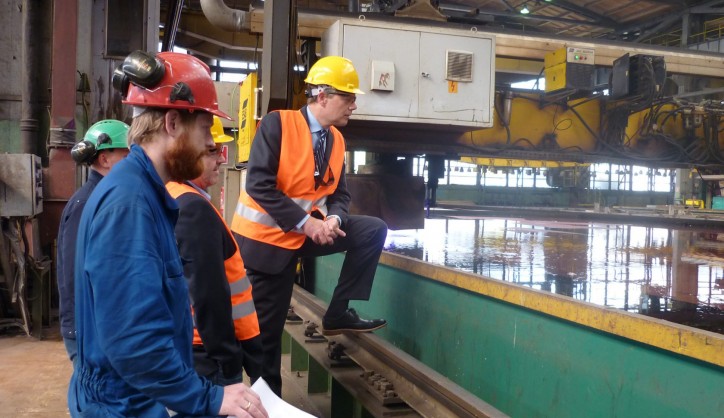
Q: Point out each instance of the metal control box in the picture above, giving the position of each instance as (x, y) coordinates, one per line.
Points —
(21, 185)
(418, 74)
(569, 68)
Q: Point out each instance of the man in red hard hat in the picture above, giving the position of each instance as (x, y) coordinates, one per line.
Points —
(133, 321)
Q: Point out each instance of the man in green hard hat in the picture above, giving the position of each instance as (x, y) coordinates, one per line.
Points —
(102, 147)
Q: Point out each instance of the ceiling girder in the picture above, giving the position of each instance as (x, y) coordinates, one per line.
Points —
(710, 7)
(644, 25)
(598, 18)
(665, 24)
(532, 17)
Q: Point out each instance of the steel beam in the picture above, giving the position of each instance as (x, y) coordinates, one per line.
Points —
(278, 54)
(516, 45)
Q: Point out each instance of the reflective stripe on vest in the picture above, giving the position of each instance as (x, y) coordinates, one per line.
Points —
(243, 312)
(264, 218)
(295, 178)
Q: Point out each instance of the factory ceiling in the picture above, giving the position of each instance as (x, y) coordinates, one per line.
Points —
(658, 22)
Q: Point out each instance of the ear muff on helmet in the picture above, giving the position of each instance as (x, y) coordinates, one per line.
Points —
(181, 91)
(103, 139)
(139, 68)
(83, 152)
(107, 134)
(168, 80)
(120, 81)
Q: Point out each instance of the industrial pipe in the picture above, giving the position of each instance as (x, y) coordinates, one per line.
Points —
(32, 50)
(59, 183)
(224, 17)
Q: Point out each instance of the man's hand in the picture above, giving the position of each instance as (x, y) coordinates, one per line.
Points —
(241, 401)
(322, 232)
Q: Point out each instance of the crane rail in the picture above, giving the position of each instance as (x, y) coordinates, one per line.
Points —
(426, 391)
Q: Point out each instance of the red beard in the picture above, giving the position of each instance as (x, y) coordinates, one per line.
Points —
(183, 160)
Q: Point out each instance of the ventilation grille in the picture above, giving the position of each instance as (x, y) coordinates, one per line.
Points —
(459, 66)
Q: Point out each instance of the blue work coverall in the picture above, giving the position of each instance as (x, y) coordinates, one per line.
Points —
(133, 321)
(67, 234)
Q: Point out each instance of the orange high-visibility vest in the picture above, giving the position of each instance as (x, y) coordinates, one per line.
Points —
(295, 179)
(243, 312)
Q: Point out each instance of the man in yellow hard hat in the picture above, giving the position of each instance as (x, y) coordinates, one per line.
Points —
(296, 204)
(226, 330)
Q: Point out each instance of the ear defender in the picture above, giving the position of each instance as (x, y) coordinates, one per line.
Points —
(83, 152)
(139, 68)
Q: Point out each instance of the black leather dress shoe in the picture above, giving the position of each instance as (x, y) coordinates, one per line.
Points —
(350, 322)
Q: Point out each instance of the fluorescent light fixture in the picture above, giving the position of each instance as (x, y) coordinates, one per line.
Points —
(524, 10)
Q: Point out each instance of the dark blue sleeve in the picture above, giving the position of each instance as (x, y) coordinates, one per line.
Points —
(141, 299)
(67, 236)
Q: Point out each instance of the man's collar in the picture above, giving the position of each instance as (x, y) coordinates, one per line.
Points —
(199, 189)
(314, 125)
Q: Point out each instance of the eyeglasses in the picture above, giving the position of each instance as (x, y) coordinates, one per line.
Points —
(346, 97)
(212, 152)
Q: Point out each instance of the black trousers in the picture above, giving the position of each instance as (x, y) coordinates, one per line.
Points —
(273, 292)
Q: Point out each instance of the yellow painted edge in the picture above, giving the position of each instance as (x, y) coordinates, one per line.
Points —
(513, 162)
(691, 342)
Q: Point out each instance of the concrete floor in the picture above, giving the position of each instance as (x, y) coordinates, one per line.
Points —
(34, 377)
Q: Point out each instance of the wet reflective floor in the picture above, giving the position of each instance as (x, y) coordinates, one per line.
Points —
(671, 274)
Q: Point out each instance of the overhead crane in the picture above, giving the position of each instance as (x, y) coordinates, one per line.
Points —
(579, 126)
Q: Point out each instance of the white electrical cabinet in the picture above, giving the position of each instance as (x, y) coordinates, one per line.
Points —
(418, 74)
(21, 185)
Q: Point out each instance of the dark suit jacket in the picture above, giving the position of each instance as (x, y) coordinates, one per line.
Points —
(261, 185)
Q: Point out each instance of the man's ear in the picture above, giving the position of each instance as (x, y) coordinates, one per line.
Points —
(172, 122)
(102, 160)
(322, 98)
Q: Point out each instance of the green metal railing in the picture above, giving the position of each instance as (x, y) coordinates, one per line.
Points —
(713, 30)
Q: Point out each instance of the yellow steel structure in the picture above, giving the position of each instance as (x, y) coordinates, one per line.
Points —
(247, 115)
(551, 128)
(513, 162)
(574, 127)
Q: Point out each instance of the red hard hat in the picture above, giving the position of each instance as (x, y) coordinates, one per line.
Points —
(186, 84)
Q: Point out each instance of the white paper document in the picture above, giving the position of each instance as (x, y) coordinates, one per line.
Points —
(274, 405)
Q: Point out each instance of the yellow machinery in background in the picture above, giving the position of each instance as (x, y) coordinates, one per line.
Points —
(569, 68)
(248, 116)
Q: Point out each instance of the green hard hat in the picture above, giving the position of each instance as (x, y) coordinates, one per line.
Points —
(105, 134)
(108, 133)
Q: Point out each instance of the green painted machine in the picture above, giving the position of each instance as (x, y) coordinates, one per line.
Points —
(534, 354)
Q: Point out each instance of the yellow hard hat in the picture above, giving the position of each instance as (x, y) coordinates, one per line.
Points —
(217, 131)
(336, 72)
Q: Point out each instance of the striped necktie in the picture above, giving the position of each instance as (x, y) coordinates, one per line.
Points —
(319, 148)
